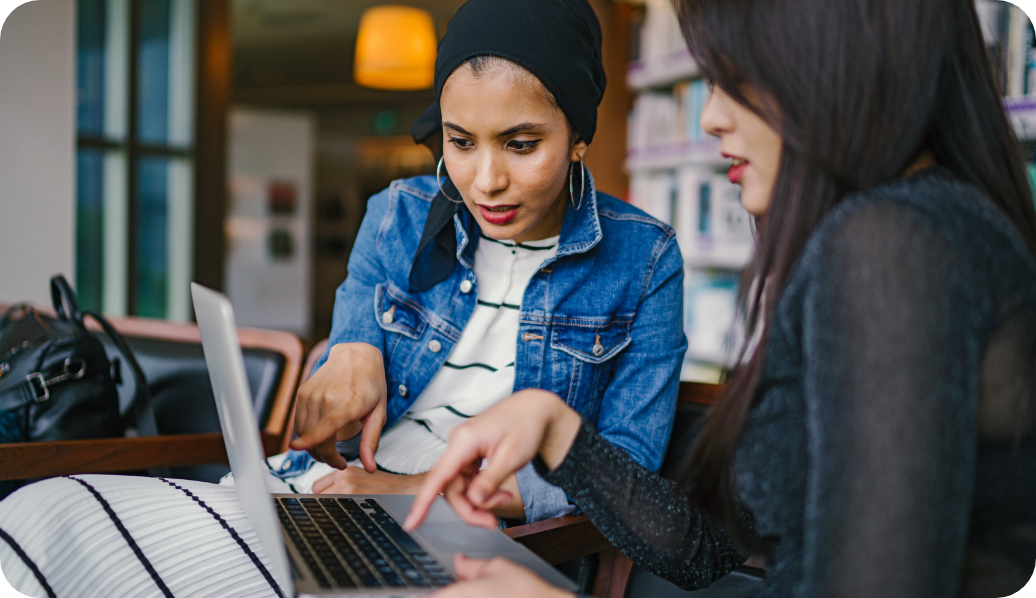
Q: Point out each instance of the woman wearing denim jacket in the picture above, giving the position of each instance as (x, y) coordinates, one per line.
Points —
(600, 320)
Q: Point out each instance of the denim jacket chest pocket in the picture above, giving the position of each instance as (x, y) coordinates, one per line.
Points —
(404, 322)
(584, 352)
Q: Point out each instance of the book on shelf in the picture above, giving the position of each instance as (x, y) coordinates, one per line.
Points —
(668, 118)
(1011, 42)
(710, 307)
(704, 208)
(659, 36)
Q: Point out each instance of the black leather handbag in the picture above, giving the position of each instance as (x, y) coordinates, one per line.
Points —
(57, 382)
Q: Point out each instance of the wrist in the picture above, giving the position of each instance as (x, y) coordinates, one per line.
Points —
(562, 429)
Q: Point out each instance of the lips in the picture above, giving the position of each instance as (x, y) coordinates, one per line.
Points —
(498, 215)
(737, 168)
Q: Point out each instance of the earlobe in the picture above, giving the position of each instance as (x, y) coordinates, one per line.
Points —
(579, 149)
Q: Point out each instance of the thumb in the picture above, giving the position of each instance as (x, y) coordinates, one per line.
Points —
(486, 482)
(468, 569)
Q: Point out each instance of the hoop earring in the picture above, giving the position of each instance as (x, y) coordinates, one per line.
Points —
(582, 184)
(438, 179)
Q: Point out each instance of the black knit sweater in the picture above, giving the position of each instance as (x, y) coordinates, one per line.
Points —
(880, 458)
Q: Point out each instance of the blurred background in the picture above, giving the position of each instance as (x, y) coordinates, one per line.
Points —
(145, 144)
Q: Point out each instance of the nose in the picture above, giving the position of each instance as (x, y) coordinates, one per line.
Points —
(491, 177)
(716, 118)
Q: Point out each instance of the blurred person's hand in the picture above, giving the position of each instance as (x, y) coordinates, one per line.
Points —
(496, 578)
(347, 391)
(358, 481)
(507, 435)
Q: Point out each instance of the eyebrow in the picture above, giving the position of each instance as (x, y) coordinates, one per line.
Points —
(527, 126)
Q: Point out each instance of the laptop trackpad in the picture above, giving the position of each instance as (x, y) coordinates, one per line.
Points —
(449, 538)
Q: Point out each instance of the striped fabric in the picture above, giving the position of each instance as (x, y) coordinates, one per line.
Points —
(480, 370)
(123, 536)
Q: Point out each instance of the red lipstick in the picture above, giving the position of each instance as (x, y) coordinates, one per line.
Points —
(737, 169)
(498, 215)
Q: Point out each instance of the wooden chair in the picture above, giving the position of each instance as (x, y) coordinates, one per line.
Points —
(47, 459)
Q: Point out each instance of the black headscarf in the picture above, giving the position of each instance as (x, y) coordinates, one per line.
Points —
(558, 41)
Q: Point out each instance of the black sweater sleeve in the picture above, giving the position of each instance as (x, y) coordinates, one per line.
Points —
(644, 515)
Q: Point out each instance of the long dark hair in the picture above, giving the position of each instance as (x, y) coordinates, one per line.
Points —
(857, 90)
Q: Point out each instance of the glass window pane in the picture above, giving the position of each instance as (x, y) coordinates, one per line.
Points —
(101, 73)
(151, 280)
(90, 71)
(90, 228)
(153, 57)
(165, 81)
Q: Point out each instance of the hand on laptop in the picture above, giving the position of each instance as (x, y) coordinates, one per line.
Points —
(498, 578)
(508, 435)
(348, 388)
(356, 481)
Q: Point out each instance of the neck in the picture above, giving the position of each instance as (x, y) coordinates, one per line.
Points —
(923, 161)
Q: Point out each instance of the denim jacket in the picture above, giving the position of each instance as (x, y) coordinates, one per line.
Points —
(601, 324)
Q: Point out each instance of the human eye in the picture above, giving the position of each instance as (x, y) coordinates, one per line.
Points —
(523, 146)
(461, 143)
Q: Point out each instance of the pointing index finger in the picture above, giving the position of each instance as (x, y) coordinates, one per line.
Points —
(450, 466)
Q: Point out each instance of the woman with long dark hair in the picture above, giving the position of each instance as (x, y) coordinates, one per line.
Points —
(876, 438)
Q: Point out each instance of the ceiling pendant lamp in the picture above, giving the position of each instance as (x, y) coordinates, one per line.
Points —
(395, 48)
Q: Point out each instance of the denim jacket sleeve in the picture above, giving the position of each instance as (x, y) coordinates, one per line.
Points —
(639, 404)
(353, 320)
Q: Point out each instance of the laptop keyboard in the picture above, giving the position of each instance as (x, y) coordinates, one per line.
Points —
(347, 544)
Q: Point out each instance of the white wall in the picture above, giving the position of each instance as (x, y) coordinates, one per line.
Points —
(37, 149)
(267, 146)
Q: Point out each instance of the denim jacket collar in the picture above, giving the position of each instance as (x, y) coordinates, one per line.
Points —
(581, 229)
(435, 258)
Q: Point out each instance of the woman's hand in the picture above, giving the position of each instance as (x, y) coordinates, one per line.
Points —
(348, 388)
(508, 435)
(357, 481)
(496, 578)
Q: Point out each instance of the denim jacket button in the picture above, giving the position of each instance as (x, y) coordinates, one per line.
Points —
(434, 346)
(598, 349)
(402, 390)
(389, 317)
(465, 286)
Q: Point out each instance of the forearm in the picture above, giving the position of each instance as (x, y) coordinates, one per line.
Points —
(644, 515)
(514, 508)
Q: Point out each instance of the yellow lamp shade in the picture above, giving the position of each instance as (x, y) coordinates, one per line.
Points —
(395, 48)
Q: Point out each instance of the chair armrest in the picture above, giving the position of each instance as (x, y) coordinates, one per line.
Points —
(700, 393)
(28, 460)
(560, 539)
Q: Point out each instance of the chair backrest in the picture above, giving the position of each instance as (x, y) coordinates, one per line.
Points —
(173, 362)
(693, 401)
(315, 354)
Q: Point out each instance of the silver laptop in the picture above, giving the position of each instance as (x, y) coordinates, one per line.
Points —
(334, 544)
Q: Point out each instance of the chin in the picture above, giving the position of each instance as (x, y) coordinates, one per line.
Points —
(754, 203)
(498, 232)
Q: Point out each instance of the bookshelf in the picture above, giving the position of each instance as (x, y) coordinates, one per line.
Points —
(671, 68)
(677, 175)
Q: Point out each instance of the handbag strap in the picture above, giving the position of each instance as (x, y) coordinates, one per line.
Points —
(36, 388)
(143, 411)
(63, 296)
(144, 414)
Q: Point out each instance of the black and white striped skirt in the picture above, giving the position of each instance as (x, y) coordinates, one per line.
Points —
(108, 536)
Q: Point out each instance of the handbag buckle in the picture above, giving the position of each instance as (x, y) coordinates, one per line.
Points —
(66, 374)
(41, 382)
